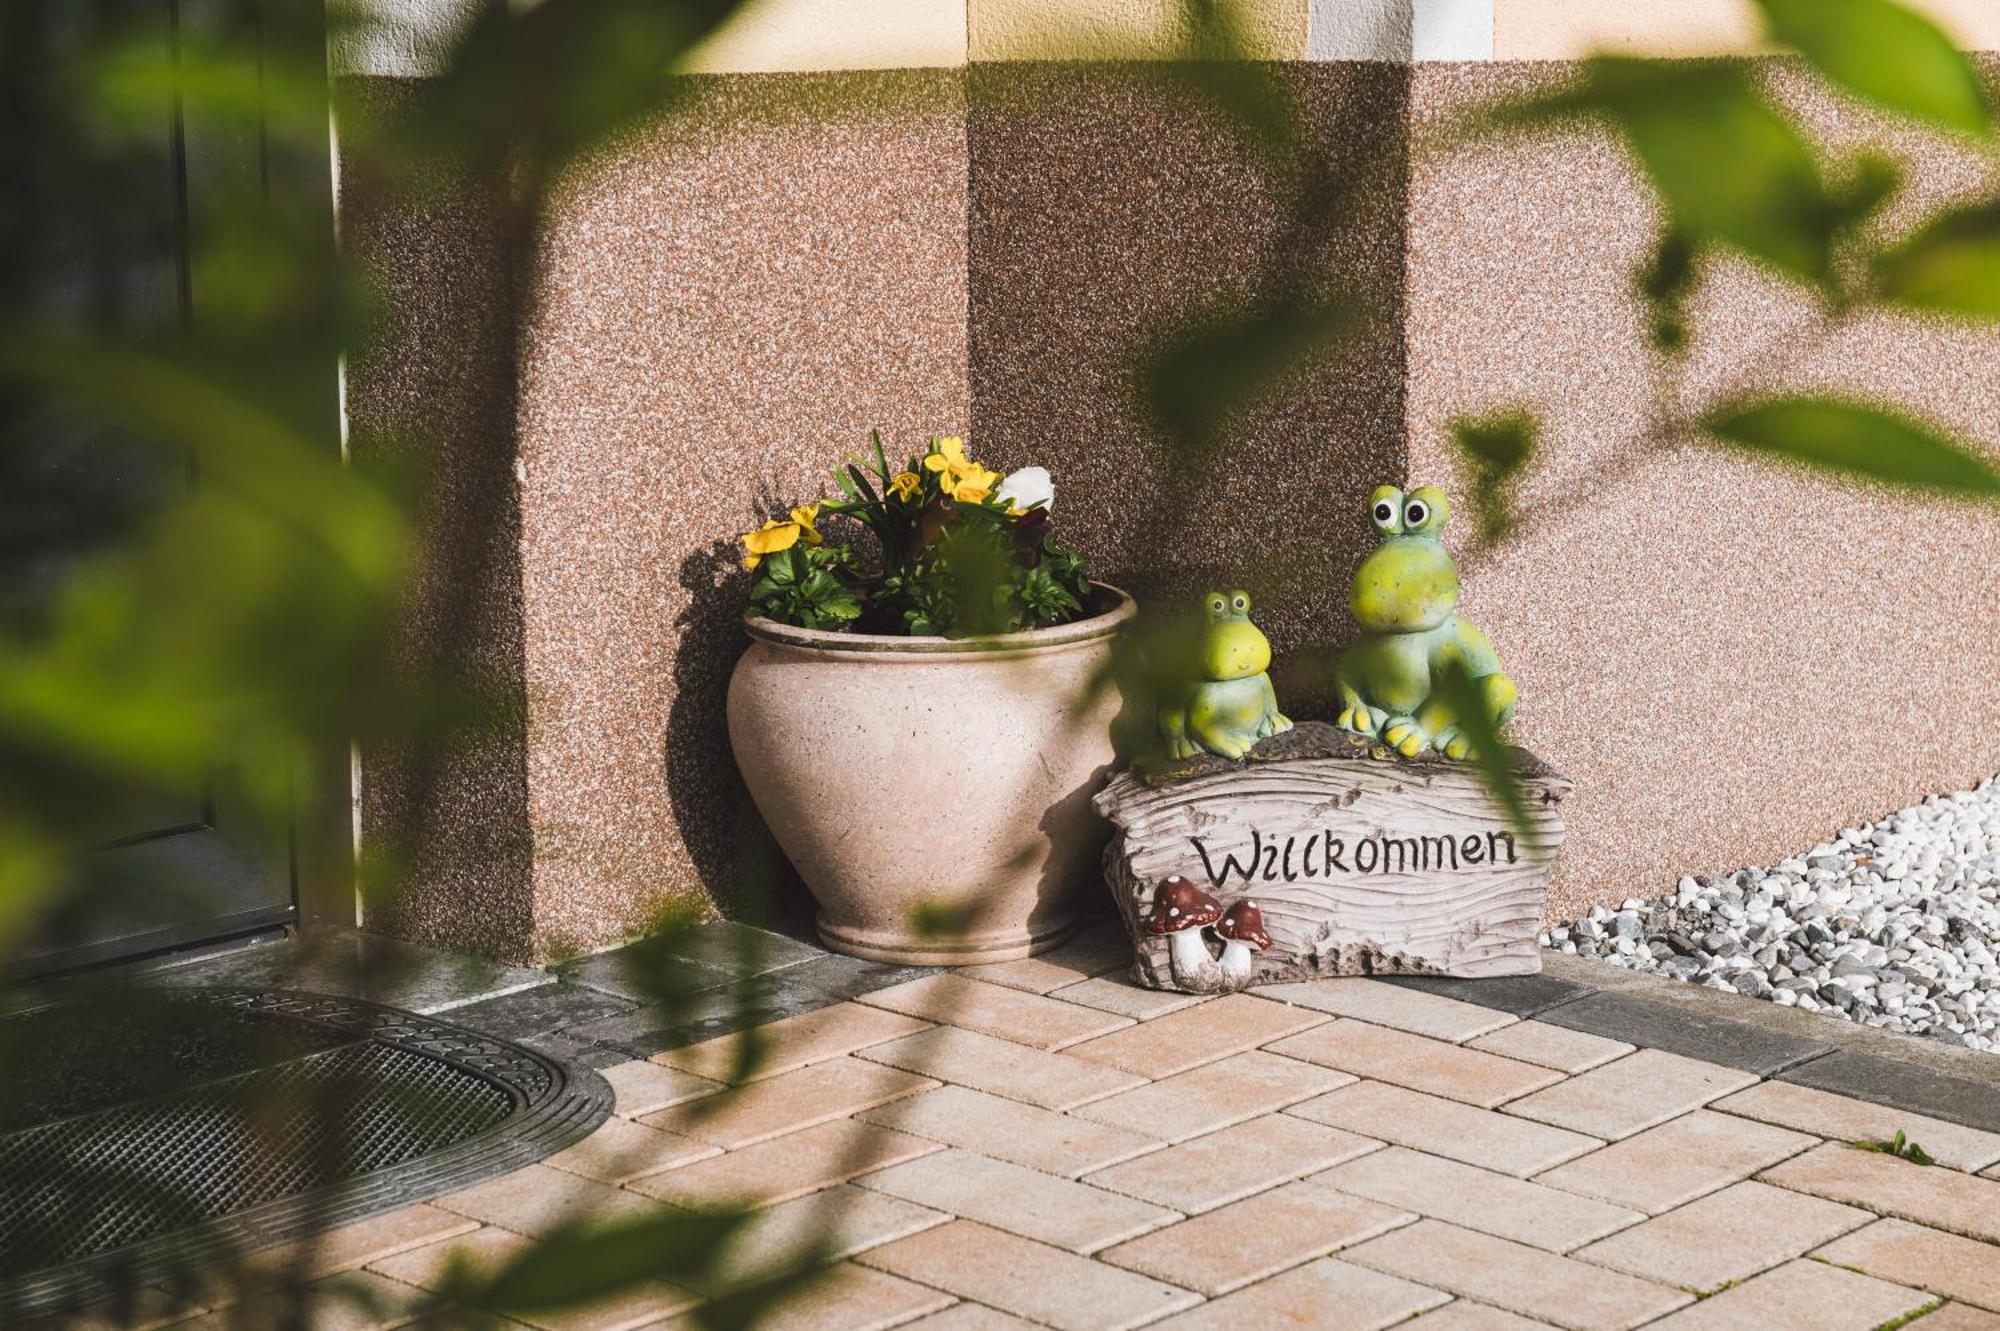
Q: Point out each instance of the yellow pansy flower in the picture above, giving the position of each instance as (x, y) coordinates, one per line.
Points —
(970, 485)
(805, 515)
(769, 539)
(950, 454)
(905, 485)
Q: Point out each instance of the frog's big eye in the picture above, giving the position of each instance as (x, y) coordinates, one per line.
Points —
(1416, 513)
(1385, 513)
(1240, 603)
(1216, 605)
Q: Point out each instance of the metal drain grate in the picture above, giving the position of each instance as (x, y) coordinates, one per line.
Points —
(399, 1107)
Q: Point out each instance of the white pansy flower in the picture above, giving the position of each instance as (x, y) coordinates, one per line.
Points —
(1028, 487)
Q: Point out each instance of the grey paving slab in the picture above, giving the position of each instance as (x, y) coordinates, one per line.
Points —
(537, 1011)
(673, 966)
(360, 965)
(1522, 995)
(559, 1046)
(703, 1015)
(1920, 1090)
(1678, 1030)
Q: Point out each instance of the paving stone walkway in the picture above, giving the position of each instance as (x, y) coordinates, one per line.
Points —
(1038, 1143)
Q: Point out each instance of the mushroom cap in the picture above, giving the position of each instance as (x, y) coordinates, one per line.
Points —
(1245, 924)
(1178, 905)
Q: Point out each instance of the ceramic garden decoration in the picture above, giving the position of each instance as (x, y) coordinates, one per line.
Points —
(1261, 851)
(1404, 598)
(1231, 705)
(922, 725)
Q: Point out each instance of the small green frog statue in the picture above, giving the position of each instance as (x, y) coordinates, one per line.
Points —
(1404, 597)
(1232, 705)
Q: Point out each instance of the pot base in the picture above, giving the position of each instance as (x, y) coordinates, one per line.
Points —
(904, 949)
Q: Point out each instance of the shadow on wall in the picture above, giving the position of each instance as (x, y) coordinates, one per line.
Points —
(732, 853)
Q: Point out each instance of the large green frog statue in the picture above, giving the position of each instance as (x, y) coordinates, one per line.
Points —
(1404, 597)
(1231, 705)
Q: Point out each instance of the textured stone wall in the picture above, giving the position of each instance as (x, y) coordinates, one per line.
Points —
(1729, 662)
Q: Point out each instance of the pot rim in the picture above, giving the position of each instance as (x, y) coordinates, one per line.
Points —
(1101, 625)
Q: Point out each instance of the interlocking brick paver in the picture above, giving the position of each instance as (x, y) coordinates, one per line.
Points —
(1197, 1035)
(1033, 1280)
(838, 1222)
(1213, 1095)
(1231, 1246)
(1800, 1296)
(1208, 1171)
(1465, 1315)
(1417, 1063)
(1001, 1067)
(621, 1150)
(1314, 1294)
(971, 1317)
(350, 1301)
(1093, 952)
(539, 1199)
(1517, 1278)
(360, 1243)
(993, 1009)
(1482, 1137)
(847, 1295)
(1636, 1092)
(642, 1086)
(1549, 1046)
(1825, 1114)
(778, 1169)
(795, 1042)
(1069, 1215)
(1410, 1010)
(486, 1250)
(1726, 1236)
(1958, 1317)
(786, 1103)
(1479, 1199)
(1008, 1130)
(1111, 993)
(1940, 1198)
(1661, 1168)
(1908, 1254)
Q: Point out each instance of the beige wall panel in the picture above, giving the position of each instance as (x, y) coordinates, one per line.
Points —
(728, 305)
(1732, 661)
(1122, 29)
(1572, 29)
(804, 35)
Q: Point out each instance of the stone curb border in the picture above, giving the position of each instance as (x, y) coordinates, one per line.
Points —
(1905, 1072)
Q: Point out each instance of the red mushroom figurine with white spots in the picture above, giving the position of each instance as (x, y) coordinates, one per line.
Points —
(1243, 937)
(1181, 911)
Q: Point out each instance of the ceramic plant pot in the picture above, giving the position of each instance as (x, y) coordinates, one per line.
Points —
(934, 795)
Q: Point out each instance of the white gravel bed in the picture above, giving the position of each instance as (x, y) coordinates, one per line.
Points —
(1894, 925)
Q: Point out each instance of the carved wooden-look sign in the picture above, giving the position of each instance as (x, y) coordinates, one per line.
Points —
(1341, 863)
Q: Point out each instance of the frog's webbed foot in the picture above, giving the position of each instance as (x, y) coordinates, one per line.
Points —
(1452, 743)
(1179, 747)
(1228, 746)
(1407, 736)
(1274, 723)
(1361, 719)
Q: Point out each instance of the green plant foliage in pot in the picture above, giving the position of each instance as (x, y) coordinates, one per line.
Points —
(922, 726)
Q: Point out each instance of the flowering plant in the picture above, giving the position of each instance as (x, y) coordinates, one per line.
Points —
(964, 550)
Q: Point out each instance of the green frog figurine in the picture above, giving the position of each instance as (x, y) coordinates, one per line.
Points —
(1404, 597)
(1232, 705)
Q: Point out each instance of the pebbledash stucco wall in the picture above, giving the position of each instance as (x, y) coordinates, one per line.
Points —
(927, 224)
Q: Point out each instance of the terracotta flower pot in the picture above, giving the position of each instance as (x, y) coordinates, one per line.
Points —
(934, 794)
